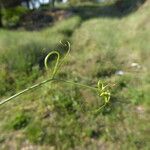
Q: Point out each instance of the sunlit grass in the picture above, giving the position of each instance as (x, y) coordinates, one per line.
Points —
(58, 116)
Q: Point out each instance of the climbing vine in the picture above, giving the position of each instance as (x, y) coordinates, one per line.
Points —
(102, 90)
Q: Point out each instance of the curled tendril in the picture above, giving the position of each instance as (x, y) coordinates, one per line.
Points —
(56, 64)
(58, 61)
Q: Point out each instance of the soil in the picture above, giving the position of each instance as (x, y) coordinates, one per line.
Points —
(38, 19)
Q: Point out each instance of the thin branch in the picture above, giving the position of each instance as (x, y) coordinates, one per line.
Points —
(25, 90)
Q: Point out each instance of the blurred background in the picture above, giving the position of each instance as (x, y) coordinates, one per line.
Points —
(109, 42)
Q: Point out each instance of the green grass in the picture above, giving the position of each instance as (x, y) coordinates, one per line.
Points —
(58, 115)
(23, 53)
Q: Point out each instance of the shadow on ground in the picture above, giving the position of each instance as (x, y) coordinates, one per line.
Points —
(115, 10)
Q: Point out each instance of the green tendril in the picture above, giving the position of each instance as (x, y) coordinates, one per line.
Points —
(102, 90)
(59, 62)
(56, 64)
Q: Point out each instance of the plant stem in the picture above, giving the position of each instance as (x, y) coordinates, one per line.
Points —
(25, 90)
(75, 83)
(41, 83)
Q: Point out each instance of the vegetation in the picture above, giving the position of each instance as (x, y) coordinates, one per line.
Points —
(111, 47)
(126, 5)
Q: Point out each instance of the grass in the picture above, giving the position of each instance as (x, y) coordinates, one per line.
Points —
(23, 53)
(58, 115)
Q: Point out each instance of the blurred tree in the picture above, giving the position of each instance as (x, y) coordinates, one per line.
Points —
(53, 3)
(27, 3)
(124, 5)
(8, 4)
(14, 3)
